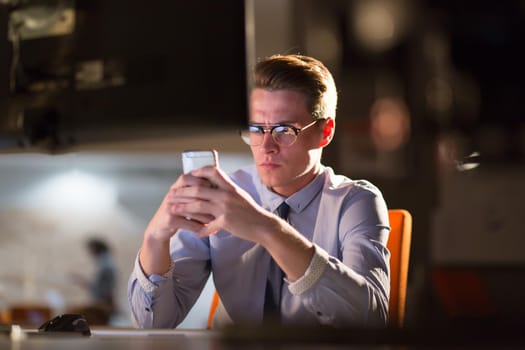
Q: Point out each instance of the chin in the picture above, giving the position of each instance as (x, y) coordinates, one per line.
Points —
(270, 182)
(271, 179)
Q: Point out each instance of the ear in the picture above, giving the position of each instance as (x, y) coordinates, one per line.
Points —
(328, 132)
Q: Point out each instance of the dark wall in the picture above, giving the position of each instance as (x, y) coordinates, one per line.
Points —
(127, 70)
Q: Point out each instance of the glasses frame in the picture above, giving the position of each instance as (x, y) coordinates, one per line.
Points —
(270, 129)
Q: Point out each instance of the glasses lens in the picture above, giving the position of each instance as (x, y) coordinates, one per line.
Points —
(284, 135)
(253, 135)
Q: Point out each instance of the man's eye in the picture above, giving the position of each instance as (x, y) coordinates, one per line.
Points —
(256, 129)
(283, 129)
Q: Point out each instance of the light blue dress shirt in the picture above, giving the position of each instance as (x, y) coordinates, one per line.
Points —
(346, 284)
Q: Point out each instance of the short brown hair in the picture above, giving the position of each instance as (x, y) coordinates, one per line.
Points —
(300, 73)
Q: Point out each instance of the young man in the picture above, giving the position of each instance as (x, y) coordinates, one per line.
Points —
(330, 247)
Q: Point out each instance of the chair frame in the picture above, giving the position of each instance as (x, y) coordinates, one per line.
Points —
(398, 244)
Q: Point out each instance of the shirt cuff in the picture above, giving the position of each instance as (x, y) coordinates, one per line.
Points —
(313, 272)
(151, 283)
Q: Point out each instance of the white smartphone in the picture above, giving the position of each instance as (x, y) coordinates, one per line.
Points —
(194, 159)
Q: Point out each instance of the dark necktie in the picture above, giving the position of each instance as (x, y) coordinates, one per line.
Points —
(275, 280)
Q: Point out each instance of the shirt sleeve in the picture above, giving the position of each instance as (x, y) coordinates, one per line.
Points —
(314, 271)
(353, 287)
(163, 301)
(143, 291)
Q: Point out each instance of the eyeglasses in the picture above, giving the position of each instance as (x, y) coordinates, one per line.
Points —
(282, 134)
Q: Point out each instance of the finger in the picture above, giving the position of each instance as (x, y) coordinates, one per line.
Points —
(200, 218)
(206, 231)
(186, 223)
(189, 180)
(186, 194)
(191, 211)
(214, 175)
(180, 199)
(193, 195)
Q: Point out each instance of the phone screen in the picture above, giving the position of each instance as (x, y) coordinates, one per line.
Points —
(194, 159)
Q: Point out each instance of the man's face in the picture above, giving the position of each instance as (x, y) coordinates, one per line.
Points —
(285, 169)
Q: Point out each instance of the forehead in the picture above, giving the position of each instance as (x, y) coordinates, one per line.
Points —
(278, 106)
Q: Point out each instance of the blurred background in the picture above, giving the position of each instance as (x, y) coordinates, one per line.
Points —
(99, 98)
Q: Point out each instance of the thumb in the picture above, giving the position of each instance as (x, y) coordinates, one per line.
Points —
(207, 230)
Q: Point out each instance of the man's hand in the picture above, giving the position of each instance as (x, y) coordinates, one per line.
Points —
(154, 253)
(235, 211)
(223, 206)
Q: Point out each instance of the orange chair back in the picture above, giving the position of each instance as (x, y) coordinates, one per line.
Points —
(399, 246)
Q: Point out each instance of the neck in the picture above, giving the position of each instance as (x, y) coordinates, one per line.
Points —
(298, 183)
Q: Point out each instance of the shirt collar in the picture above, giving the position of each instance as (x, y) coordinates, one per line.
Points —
(297, 201)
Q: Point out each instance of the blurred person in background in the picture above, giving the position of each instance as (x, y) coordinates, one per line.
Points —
(102, 286)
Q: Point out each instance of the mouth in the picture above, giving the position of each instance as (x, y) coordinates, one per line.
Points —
(269, 165)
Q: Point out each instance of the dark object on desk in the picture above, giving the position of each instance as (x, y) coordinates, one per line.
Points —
(67, 323)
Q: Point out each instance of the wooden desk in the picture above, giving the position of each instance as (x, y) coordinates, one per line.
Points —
(275, 338)
(114, 339)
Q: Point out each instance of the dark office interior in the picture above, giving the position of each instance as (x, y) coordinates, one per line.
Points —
(431, 110)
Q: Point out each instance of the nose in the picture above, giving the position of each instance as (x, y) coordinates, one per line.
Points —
(268, 144)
